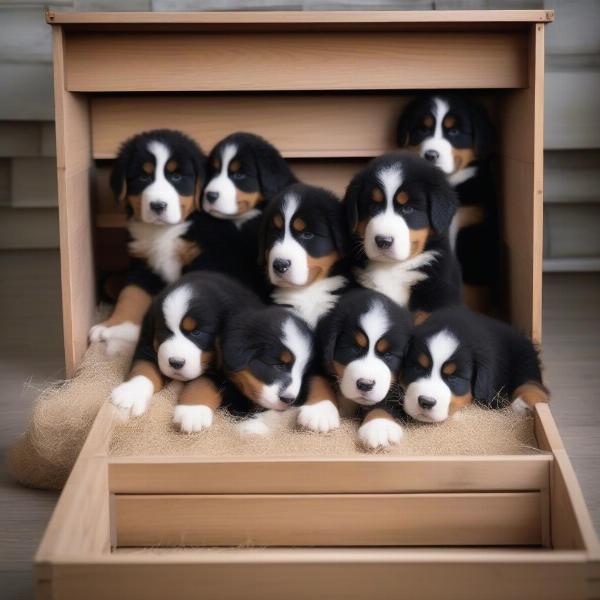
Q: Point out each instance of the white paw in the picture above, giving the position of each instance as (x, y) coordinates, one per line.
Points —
(97, 333)
(380, 433)
(134, 395)
(193, 417)
(521, 407)
(253, 426)
(321, 417)
(118, 338)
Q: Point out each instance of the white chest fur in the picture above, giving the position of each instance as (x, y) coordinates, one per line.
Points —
(313, 301)
(395, 279)
(160, 246)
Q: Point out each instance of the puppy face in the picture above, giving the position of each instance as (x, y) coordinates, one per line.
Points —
(157, 176)
(185, 334)
(449, 131)
(302, 236)
(364, 340)
(244, 170)
(395, 204)
(265, 354)
(438, 371)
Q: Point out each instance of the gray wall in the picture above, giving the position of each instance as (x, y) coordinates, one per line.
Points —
(572, 130)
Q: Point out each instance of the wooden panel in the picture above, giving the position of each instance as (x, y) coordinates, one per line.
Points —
(299, 125)
(114, 62)
(376, 475)
(329, 520)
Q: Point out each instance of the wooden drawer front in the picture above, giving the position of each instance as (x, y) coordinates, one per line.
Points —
(493, 519)
(114, 62)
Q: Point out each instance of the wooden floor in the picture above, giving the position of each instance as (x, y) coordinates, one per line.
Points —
(31, 353)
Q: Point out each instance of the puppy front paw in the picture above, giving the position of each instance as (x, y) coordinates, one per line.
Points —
(521, 407)
(379, 433)
(253, 426)
(133, 396)
(321, 417)
(193, 417)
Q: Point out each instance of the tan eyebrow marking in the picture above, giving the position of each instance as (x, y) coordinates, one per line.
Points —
(235, 166)
(382, 345)
(278, 221)
(189, 324)
(401, 198)
(299, 224)
(148, 167)
(449, 122)
(428, 121)
(423, 360)
(377, 195)
(361, 339)
(172, 166)
(449, 368)
(286, 357)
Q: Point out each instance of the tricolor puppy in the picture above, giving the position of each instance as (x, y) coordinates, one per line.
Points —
(457, 357)
(454, 133)
(178, 341)
(399, 209)
(303, 244)
(363, 341)
(245, 171)
(156, 178)
(266, 353)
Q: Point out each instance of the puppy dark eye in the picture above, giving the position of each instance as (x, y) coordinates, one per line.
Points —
(144, 177)
(175, 177)
(306, 235)
(453, 131)
(237, 176)
(195, 332)
(407, 210)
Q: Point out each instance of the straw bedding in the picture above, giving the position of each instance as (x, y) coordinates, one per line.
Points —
(64, 413)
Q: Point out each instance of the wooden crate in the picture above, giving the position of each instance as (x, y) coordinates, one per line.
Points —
(327, 89)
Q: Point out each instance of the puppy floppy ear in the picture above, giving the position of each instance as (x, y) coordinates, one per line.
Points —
(274, 173)
(351, 199)
(403, 129)
(327, 334)
(483, 376)
(236, 351)
(483, 132)
(261, 259)
(118, 175)
(442, 201)
(200, 162)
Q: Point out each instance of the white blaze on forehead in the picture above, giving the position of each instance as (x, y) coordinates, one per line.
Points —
(289, 208)
(437, 141)
(391, 179)
(374, 323)
(160, 190)
(441, 346)
(226, 204)
(299, 344)
(440, 110)
(227, 155)
(175, 305)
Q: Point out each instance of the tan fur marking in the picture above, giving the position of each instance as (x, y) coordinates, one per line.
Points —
(216, 164)
(420, 316)
(401, 198)
(458, 402)
(378, 413)
(135, 202)
(423, 360)
(463, 157)
(201, 391)
(278, 221)
(360, 228)
(318, 268)
(298, 224)
(248, 384)
(132, 304)
(286, 357)
(449, 368)
(172, 166)
(449, 122)
(208, 358)
(198, 194)
(246, 201)
(149, 370)
(337, 368)
(377, 195)
(319, 389)
(189, 324)
(187, 206)
(382, 345)
(428, 122)
(531, 393)
(235, 166)
(418, 239)
(148, 168)
(361, 339)
(188, 251)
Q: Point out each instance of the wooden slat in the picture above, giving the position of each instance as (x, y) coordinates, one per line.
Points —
(299, 125)
(492, 519)
(160, 475)
(113, 62)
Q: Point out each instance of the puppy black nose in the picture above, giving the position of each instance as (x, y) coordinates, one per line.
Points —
(176, 363)
(281, 265)
(431, 155)
(212, 196)
(158, 206)
(427, 402)
(365, 385)
(384, 241)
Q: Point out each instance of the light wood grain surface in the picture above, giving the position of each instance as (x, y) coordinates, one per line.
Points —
(31, 351)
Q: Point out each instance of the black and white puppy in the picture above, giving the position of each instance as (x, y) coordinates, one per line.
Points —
(303, 246)
(245, 172)
(363, 342)
(266, 353)
(457, 357)
(156, 177)
(399, 209)
(178, 341)
(454, 133)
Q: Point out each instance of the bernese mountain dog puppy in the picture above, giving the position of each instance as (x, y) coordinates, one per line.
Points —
(454, 133)
(179, 340)
(363, 342)
(399, 209)
(157, 177)
(457, 357)
(266, 353)
(303, 246)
